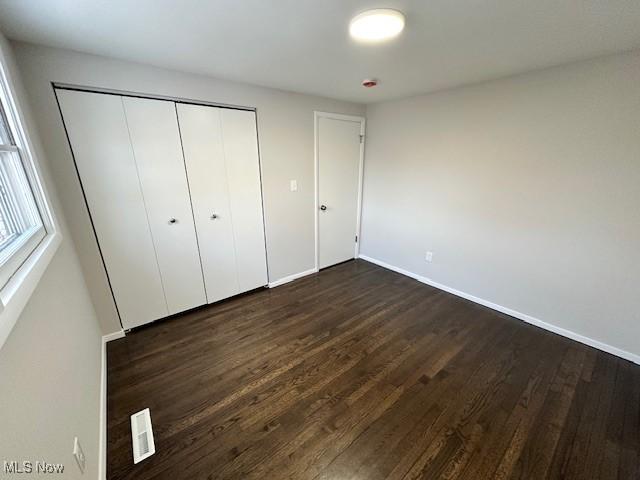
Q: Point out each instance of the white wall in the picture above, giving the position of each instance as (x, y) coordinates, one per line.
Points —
(285, 124)
(50, 363)
(526, 189)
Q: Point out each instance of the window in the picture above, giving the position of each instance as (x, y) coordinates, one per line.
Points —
(21, 226)
(28, 233)
(20, 219)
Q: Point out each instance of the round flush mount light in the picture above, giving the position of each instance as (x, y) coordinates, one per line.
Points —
(377, 25)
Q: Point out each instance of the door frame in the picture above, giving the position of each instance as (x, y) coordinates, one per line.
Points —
(317, 115)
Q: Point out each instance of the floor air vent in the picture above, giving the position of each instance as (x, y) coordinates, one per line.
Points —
(142, 435)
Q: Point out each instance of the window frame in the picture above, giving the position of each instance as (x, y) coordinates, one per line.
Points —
(22, 271)
(17, 251)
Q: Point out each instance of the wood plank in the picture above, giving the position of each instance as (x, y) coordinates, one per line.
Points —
(358, 372)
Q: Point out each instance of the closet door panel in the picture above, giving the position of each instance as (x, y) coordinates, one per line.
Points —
(200, 128)
(157, 149)
(99, 138)
(245, 196)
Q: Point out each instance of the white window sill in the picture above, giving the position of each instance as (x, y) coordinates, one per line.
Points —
(16, 293)
(18, 252)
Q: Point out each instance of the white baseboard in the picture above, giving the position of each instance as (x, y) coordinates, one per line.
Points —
(113, 336)
(514, 313)
(102, 461)
(293, 277)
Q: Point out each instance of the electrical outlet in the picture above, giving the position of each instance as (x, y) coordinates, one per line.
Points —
(293, 185)
(429, 257)
(78, 453)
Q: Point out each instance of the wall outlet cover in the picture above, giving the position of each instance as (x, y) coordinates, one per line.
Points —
(293, 185)
(429, 256)
(78, 454)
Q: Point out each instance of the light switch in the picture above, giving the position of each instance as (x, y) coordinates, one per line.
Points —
(293, 185)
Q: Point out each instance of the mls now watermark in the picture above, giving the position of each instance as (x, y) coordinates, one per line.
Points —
(39, 467)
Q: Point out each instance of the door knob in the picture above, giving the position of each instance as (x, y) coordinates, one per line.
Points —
(214, 216)
(323, 207)
(172, 221)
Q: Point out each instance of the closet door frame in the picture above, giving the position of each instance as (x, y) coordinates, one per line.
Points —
(317, 115)
(57, 86)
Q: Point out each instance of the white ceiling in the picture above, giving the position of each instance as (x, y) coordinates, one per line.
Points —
(303, 45)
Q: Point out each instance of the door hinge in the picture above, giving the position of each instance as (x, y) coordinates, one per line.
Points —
(356, 238)
(361, 138)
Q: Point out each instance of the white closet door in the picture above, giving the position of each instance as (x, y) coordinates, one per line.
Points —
(99, 139)
(158, 153)
(245, 195)
(200, 128)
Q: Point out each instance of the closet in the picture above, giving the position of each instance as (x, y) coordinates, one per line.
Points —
(174, 195)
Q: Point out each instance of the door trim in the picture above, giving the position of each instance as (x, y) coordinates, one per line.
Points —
(316, 165)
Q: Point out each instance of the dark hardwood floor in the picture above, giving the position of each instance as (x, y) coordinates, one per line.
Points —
(360, 373)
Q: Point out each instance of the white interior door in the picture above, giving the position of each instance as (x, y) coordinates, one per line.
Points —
(240, 140)
(155, 137)
(338, 156)
(201, 132)
(98, 134)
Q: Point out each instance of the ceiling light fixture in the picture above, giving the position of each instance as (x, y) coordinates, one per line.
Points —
(377, 24)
